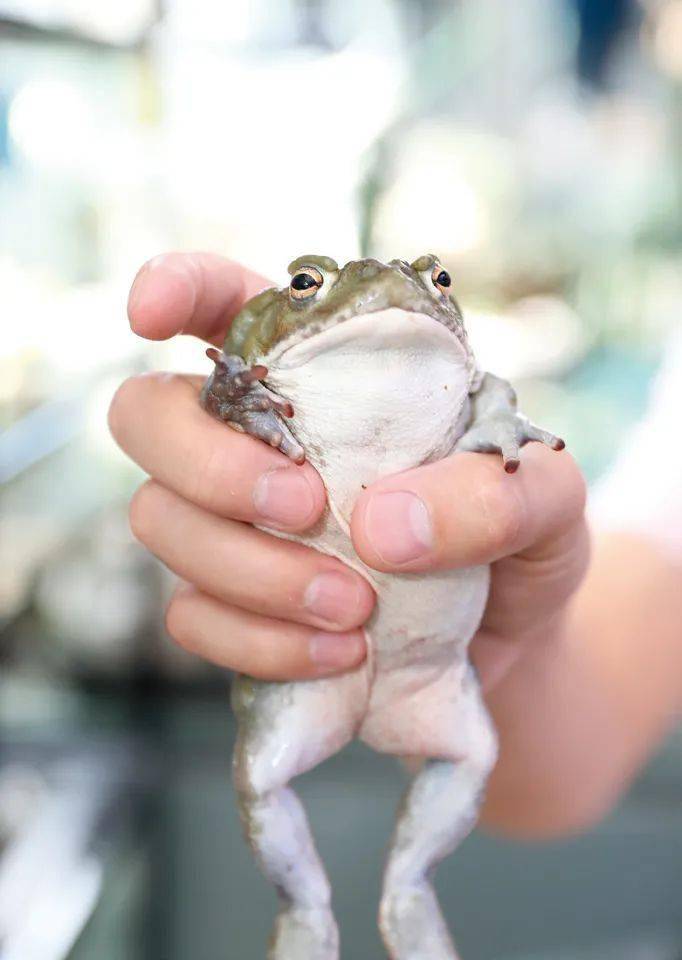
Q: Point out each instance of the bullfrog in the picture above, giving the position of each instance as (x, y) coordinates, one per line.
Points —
(366, 370)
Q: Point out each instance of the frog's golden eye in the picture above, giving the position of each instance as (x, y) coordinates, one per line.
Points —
(305, 283)
(441, 279)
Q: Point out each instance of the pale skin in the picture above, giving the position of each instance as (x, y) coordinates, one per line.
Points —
(575, 719)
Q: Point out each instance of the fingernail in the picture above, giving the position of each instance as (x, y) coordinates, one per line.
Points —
(285, 496)
(336, 651)
(333, 596)
(398, 526)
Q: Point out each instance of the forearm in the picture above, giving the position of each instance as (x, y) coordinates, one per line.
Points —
(580, 714)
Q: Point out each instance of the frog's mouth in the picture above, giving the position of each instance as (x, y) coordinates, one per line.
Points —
(382, 332)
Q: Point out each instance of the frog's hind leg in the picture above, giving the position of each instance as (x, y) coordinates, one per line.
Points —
(286, 729)
(439, 810)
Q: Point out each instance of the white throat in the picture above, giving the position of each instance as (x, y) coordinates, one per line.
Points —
(373, 395)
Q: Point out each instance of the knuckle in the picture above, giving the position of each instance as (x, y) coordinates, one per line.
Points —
(212, 476)
(225, 472)
(503, 514)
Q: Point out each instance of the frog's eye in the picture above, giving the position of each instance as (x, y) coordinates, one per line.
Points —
(305, 283)
(441, 279)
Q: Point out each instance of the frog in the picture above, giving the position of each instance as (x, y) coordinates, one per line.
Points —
(366, 370)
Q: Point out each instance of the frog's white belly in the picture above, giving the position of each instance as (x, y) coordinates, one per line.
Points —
(375, 395)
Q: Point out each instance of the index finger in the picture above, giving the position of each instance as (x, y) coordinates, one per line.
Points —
(158, 421)
(193, 293)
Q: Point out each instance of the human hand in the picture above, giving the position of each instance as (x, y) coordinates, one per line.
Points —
(248, 600)
(466, 510)
(276, 609)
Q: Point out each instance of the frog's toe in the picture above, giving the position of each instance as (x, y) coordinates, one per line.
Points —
(260, 401)
(282, 438)
(495, 435)
(543, 436)
(270, 401)
(291, 447)
(266, 425)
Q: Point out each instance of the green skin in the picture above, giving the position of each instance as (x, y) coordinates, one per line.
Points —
(362, 286)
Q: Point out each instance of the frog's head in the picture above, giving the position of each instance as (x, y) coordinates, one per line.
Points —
(321, 295)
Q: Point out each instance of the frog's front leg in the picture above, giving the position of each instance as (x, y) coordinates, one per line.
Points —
(495, 425)
(233, 393)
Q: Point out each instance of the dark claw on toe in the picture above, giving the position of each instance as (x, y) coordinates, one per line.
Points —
(285, 408)
(558, 444)
(511, 465)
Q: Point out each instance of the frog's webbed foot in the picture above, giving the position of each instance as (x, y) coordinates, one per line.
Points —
(497, 426)
(506, 433)
(233, 393)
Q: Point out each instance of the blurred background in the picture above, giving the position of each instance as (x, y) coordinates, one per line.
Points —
(536, 146)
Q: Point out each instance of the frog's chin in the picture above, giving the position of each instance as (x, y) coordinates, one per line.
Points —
(382, 330)
(376, 394)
